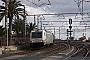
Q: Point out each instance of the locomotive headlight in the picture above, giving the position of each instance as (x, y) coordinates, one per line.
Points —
(31, 41)
(42, 41)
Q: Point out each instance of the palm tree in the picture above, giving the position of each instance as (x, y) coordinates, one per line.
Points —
(2, 31)
(18, 27)
(30, 27)
(12, 11)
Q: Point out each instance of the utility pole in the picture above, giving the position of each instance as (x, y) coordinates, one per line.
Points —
(59, 32)
(41, 25)
(24, 20)
(6, 19)
(34, 20)
(82, 9)
(37, 22)
(74, 32)
(54, 32)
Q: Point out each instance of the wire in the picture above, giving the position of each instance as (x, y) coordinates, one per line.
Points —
(41, 7)
(48, 7)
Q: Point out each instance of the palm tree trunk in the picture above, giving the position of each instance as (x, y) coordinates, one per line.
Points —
(10, 30)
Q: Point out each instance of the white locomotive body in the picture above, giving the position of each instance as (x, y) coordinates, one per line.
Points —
(41, 38)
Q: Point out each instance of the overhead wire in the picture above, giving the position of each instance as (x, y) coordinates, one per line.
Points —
(55, 13)
(42, 8)
(50, 9)
(78, 2)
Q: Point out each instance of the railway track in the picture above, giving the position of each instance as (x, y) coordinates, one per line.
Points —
(81, 51)
(45, 51)
(54, 51)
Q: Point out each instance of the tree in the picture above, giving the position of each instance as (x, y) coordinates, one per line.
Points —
(13, 10)
(2, 31)
(2, 34)
(29, 27)
(18, 27)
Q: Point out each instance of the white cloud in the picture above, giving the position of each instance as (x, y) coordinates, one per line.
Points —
(57, 6)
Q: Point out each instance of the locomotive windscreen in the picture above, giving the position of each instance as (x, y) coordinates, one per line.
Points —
(36, 34)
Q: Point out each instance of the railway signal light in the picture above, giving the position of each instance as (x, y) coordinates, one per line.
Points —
(70, 21)
(70, 27)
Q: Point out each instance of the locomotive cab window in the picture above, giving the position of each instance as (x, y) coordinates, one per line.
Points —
(36, 34)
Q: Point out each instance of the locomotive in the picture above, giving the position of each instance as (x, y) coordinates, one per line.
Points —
(39, 38)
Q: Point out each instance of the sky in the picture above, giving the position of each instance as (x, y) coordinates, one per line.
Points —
(56, 7)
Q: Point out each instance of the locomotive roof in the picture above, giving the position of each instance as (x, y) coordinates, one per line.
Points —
(40, 31)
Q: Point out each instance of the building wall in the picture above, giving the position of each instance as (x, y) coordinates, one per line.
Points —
(1, 23)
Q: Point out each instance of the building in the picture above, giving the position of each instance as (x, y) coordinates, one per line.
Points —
(1, 23)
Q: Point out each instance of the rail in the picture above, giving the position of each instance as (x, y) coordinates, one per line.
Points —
(78, 50)
(86, 53)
